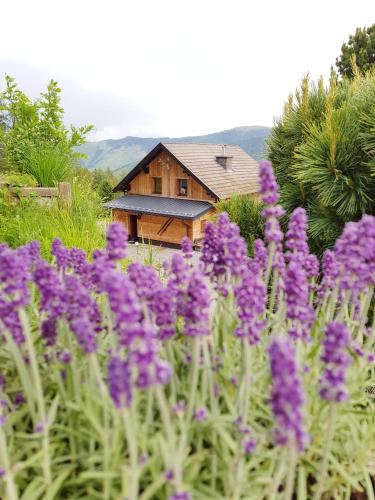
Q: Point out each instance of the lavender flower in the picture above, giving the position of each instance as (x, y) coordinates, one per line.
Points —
(82, 313)
(201, 415)
(196, 307)
(296, 238)
(125, 306)
(61, 254)
(49, 331)
(164, 308)
(85, 334)
(249, 446)
(119, 380)
(335, 344)
(260, 253)
(145, 280)
(135, 333)
(117, 241)
(187, 247)
(355, 255)
(224, 252)
(297, 294)
(14, 293)
(180, 495)
(250, 296)
(50, 289)
(330, 274)
(269, 188)
(287, 397)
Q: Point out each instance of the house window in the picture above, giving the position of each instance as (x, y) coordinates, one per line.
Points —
(157, 185)
(182, 187)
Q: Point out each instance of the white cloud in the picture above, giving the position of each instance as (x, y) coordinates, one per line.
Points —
(175, 67)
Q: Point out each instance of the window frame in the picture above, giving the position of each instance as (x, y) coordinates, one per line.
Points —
(179, 181)
(155, 179)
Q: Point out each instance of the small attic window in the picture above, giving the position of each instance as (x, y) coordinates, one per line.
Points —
(157, 185)
(182, 187)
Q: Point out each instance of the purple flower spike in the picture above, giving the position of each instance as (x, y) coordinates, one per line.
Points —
(297, 295)
(19, 399)
(169, 475)
(61, 254)
(269, 188)
(335, 344)
(164, 308)
(287, 397)
(14, 293)
(179, 408)
(117, 241)
(145, 279)
(187, 247)
(196, 307)
(260, 253)
(119, 374)
(355, 255)
(201, 415)
(249, 446)
(296, 237)
(251, 299)
(85, 334)
(180, 495)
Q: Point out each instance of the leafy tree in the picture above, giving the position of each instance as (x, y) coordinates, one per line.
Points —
(323, 152)
(32, 124)
(360, 49)
(103, 182)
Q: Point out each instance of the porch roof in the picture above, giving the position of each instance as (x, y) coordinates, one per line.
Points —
(155, 205)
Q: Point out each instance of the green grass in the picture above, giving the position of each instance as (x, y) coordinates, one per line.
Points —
(77, 225)
(48, 165)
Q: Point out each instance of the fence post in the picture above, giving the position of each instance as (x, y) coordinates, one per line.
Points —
(65, 194)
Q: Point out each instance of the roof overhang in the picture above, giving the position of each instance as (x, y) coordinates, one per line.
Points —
(157, 205)
(121, 186)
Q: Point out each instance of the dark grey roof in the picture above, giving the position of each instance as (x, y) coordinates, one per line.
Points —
(172, 207)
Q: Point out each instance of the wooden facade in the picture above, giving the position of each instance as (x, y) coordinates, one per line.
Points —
(165, 167)
(162, 228)
(171, 192)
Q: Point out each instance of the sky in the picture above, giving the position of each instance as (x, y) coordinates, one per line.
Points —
(173, 68)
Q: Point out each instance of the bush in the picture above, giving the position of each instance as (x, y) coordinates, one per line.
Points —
(246, 213)
(16, 179)
(323, 151)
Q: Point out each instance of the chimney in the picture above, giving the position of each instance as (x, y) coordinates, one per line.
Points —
(224, 160)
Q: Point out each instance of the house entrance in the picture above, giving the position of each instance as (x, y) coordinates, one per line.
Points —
(133, 236)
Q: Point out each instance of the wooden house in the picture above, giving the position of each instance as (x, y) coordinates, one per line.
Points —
(171, 192)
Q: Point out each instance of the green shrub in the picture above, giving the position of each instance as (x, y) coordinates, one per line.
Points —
(323, 153)
(18, 180)
(246, 213)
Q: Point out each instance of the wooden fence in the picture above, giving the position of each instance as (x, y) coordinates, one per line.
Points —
(62, 193)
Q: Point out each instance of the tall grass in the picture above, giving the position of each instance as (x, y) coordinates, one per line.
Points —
(76, 225)
(48, 165)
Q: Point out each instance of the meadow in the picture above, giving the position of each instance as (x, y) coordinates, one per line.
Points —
(236, 378)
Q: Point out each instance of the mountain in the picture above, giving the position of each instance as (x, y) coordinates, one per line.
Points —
(121, 155)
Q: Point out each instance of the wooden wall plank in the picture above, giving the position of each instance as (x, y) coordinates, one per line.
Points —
(166, 167)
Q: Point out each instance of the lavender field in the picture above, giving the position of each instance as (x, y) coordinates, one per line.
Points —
(236, 378)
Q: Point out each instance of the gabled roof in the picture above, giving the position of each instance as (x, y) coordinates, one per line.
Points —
(199, 160)
(158, 205)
